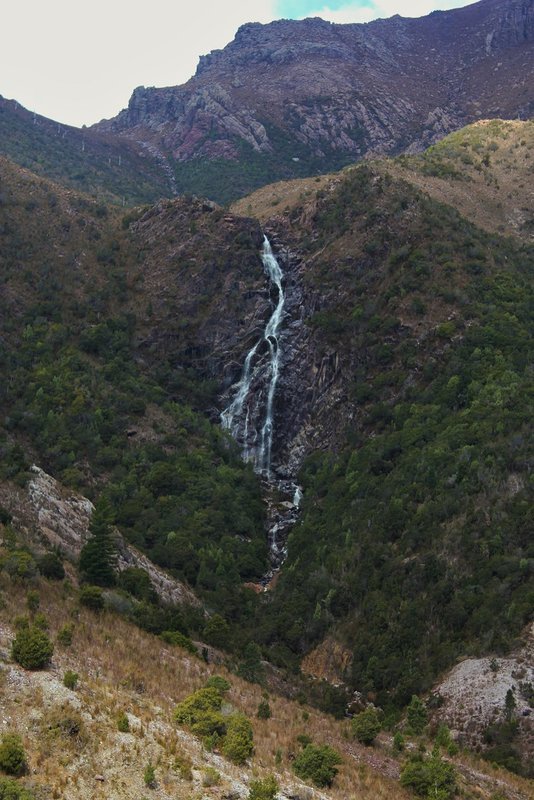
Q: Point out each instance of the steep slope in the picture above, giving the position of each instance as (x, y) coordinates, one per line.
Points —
(298, 97)
(89, 401)
(95, 737)
(406, 382)
(108, 169)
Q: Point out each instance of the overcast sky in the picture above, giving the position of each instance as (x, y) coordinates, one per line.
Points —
(78, 61)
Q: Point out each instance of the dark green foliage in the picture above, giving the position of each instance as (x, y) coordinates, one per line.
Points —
(218, 682)
(264, 710)
(92, 597)
(179, 639)
(263, 789)
(65, 633)
(217, 631)
(12, 755)
(51, 567)
(137, 582)
(33, 601)
(501, 749)
(11, 790)
(442, 425)
(366, 725)
(70, 679)
(416, 716)
(149, 776)
(32, 648)
(97, 558)
(398, 742)
(238, 743)
(251, 668)
(318, 764)
(429, 777)
(123, 724)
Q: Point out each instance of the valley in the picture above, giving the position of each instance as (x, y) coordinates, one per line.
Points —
(281, 443)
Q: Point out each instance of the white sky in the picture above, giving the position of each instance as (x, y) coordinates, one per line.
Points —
(79, 61)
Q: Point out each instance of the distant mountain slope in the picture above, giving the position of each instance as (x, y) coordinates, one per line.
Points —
(297, 97)
(103, 166)
(484, 171)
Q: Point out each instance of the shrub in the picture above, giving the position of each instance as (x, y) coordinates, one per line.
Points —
(219, 683)
(398, 742)
(33, 601)
(179, 639)
(64, 636)
(51, 567)
(210, 777)
(264, 710)
(366, 726)
(137, 582)
(238, 744)
(70, 679)
(32, 648)
(91, 597)
(416, 715)
(123, 723)
(317, 763)
(430, 778)
(195, 705)
(149, 775)
(11, 790)
(265, 789)
(12, 755)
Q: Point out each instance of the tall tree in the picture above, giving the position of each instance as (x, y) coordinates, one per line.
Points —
(98, 556)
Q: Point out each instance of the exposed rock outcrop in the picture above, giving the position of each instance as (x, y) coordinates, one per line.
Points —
(56, 517)
(325, 94)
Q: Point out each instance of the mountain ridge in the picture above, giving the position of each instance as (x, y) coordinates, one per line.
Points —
(292, 97)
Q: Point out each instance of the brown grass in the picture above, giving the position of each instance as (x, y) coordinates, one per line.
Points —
(124, 669)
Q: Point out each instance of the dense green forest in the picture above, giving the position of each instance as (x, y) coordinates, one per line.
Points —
(414, 538)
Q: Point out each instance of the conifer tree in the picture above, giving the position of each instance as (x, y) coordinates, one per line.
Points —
(97, 559)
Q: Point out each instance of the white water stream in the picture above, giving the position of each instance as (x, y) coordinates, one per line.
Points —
(250, 415)
(237, 417)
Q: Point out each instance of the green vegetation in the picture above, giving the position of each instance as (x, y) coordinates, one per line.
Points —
(238, 743)
(79, 159)
(11, 790)
(149, 776)
(123, 723)
(201, 713)
(31, 647)
(98, 554)
(12, 755)
(366, 725)
(392, 547)
(318, 764)
(51, 567)
(92, 597)
(429, 777)
(263, 789)
(70, 679)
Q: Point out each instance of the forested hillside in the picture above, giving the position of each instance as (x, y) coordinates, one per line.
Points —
(403, 407)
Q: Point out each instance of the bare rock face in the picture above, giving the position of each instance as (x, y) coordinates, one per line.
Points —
(473, 695)
(314, 91)
(60, 518)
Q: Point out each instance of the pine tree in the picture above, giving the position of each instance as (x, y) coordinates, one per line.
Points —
(97, 558)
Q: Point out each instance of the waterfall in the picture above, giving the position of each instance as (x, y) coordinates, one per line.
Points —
(249, 417)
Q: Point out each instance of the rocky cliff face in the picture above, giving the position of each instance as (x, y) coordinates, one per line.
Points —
(54, 517)
(308, 95)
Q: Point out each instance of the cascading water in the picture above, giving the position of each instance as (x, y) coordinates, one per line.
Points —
(257, 385)
(250, 415)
